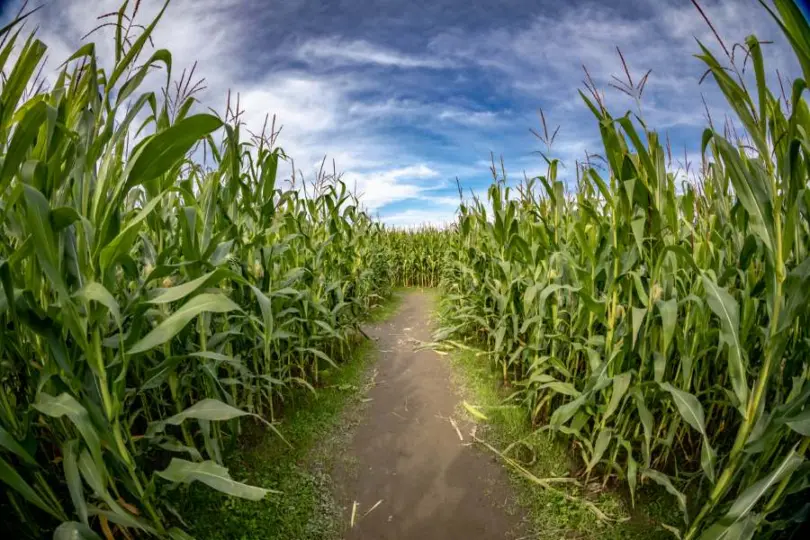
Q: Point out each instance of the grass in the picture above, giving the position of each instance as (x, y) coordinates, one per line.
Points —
(385, 309)
(550, 515)
(317, 428)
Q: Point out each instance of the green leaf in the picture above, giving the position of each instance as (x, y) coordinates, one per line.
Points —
(800, 423)
(14, 84)
(97, 292)
(795, 27)
(632, 474)
(531, 293)
(25, 134)
(621, 383)
(725, 307)
(755, 52)
(10, 443)
(319, 353)
(122, 518)
(688, 405)
(548, 290)
(637, 316)
(121, 244)
(220, 254)
(796, 292)
(94, 474)
(640, 290)
(668, 309)
(740, 101)
(165, 149)
(70, 530)
(597, 307)
(748, 499)
(602, 442)
(562, 414)
(213, 475)
(708, 458)
(265, 306)
(10, 477)
(637, 226)
(135, 81)
(125, 62)
(207, 409)
(560, 387)
(754, 197)
(603, 188)
(37, 215)
(180, 448)
(743, 529)
(73, 479)
(179, 534)
(659, 366)
(66, 405)
(62, 217)
(173, 294)
(210, 303)
(664, 481)
(646, 418)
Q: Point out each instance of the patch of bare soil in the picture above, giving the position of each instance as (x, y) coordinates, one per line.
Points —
(406, 473)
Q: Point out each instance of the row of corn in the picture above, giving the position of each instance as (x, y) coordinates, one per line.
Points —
(159, 286)
(662, 325)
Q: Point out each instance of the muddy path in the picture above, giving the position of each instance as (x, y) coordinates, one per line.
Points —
(407, 454)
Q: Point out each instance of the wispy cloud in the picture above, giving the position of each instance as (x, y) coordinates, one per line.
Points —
(416, 218)
(338, 51)
(544, 57)
(380, 187)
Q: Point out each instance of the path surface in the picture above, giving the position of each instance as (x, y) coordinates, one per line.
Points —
(406, 453)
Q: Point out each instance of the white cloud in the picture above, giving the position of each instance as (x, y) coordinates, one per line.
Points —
(319, 115)
(544, 57)
(441, 200)
(311, 104)
(379, 188)
(417, 218)
(336, 50)
(471, 118)
(436, 114)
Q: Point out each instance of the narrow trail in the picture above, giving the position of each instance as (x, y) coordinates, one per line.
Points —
(406, 453)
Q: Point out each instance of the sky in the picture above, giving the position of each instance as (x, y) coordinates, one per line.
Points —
(408, 96)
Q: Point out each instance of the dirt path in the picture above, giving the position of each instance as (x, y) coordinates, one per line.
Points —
(406, 453)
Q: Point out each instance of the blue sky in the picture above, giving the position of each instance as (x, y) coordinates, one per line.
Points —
(406, 96)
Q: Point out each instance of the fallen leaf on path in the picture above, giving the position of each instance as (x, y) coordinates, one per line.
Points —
(452, 421)
(354, 512)
(373, 508)
(474, 411)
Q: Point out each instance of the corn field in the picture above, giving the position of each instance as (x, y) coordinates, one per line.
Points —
(662, 325)
(152, 299)
(417, 256)
(162, 286)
